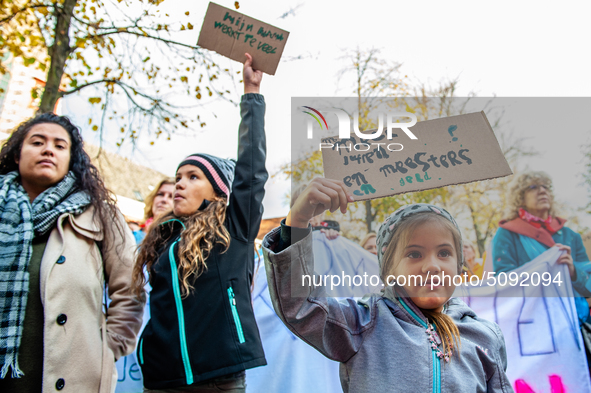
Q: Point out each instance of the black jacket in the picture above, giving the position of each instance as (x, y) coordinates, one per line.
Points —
(212, 332)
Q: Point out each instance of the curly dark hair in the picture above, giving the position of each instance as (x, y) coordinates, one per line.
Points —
(88, 178)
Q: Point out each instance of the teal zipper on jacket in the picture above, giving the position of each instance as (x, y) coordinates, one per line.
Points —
(436, 360)
(180, 314)
(232, 299)
(141, 351)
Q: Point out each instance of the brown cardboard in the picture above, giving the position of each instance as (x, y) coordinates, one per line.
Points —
(587, 243)
(231, 34)
(465, 143)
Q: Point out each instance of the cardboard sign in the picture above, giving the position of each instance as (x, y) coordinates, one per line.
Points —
(451, 150)
(232, 34)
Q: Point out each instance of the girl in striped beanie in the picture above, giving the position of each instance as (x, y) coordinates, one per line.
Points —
(202, 332)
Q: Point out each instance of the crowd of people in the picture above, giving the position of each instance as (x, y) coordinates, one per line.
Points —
(65, 245)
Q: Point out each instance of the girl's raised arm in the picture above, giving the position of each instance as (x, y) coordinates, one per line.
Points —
(245, 208)
(334, 328)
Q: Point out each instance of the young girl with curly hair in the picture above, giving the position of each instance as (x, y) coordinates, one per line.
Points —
(202, 334)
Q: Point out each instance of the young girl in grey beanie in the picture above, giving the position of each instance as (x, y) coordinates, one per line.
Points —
(411, 337)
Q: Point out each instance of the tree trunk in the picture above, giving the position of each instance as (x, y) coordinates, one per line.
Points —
(480, 241)
(58, 53)
(368, 215)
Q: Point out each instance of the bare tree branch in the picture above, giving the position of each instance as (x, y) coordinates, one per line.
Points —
(90, 37)
(29, 7)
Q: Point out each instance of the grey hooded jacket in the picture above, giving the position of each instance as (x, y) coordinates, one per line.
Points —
(381, 341)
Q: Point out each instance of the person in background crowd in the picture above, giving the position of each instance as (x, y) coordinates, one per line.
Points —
(531, 227)
(63, 239)
(159, 201)
(472, 267)
(136, 229)
(410, 329)
(369, 243)
(202, 333)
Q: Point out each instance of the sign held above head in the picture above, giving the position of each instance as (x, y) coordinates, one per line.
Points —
(231, 34)
(451, 150)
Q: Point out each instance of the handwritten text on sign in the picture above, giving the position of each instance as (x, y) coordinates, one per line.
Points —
(232, 34)
(451, 150)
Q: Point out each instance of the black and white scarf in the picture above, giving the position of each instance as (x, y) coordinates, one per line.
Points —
(20, 222)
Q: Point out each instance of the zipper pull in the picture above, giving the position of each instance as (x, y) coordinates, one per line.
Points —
(231, 291)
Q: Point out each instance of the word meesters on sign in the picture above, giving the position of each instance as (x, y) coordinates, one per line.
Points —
(232, 34)
(451, 150)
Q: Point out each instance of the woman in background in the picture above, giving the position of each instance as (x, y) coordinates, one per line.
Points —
(157, 203)
(472, 266)
(531, 227)
(369, 243)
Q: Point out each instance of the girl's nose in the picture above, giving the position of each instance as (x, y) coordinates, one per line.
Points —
(431, 265)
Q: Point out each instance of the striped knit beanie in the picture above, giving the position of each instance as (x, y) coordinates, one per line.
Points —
(219, 171)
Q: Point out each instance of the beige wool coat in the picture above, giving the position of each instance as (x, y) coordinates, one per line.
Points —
(81, 342)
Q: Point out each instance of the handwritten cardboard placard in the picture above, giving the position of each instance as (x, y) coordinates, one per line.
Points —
(232, 34)
(450, 150)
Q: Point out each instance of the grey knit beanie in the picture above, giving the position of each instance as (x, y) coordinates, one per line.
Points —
(389, 226)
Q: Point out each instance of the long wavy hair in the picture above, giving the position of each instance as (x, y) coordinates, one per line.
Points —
(204, 230)
(88, 178)
(445, 326)
(149, 201)
(518, 188)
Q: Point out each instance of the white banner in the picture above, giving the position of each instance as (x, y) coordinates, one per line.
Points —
(129, 374)
(545, 349)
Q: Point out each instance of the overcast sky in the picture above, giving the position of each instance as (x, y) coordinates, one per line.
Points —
(500, 48)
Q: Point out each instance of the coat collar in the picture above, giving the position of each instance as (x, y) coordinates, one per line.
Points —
(85, 224)
(522, 227)
(456, 308)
